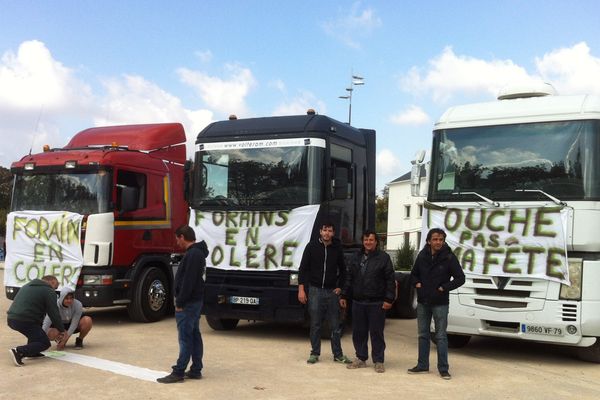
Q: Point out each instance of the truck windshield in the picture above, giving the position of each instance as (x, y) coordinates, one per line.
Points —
(558, 158)
(83, 193)
(288, 176)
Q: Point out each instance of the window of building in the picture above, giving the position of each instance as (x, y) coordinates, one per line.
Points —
(406, 211)
(406, 239)
(420, 210)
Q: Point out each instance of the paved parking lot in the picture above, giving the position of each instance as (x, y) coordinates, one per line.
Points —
(267, 361)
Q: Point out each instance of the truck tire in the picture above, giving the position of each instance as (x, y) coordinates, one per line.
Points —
(405, 305)
(454, 341)
(222, 324)
(151, 296)
(590, 354)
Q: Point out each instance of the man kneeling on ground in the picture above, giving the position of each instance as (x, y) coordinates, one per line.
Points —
(73, 320)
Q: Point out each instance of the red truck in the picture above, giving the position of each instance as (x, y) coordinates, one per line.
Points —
(126, 186)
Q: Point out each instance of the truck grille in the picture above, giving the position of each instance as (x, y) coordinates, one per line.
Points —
(504, 292)
(569, 312)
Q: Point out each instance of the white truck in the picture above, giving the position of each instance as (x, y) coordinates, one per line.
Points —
(516, 185)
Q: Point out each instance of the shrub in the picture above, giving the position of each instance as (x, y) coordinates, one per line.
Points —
(405, 257)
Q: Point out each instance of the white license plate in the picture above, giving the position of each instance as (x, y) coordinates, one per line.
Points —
(253, 301)
(542, 330)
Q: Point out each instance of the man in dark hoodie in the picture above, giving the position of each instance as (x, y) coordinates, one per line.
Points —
(189, 298)
(322, 272)
(435, 273)
(26, 313)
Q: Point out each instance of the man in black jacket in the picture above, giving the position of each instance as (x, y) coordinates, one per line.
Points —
(371, 285)
(189, 298)
(435, 273)
(322, 271)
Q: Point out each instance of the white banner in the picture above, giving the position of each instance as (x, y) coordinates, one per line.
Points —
(40, 243)
(506, 242)
(255, 240)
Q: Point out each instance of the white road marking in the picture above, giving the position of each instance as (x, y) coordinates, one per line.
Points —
(132, 371)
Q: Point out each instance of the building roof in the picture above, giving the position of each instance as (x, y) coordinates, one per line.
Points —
(406, 176)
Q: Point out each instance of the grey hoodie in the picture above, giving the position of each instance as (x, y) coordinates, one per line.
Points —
(68, 315)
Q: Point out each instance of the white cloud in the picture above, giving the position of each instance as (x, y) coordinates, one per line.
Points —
(300, 105)
(413, 115)
(278, 85)
(225, 96)
(449, 74)
(133, 99)
(352, 27)
(571, 70)
(204, 56)
(388, 163)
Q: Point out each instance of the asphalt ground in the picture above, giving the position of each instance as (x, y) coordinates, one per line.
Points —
(268, 361)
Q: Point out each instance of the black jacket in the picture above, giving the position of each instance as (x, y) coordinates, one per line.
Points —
(189, 283)
(434, 272)
(374, 282)
(322, 266)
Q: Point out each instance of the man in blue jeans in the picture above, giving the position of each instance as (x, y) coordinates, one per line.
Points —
(435, 273)
(189, 295)
(322, 271)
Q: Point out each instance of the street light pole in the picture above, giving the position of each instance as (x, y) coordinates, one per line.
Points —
(355, 81)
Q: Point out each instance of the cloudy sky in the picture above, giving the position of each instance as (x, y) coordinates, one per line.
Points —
(69, 65)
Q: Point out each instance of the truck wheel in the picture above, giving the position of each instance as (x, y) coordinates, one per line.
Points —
(405, 305)
(454, 341)
(591, 354)
(222, 324)
(151, 296)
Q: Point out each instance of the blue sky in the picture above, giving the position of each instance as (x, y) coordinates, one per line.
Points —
(69, 65)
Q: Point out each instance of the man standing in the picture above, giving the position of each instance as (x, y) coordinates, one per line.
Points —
(73, 320)
(26, 313)
(372, 286)
(435, 273)
(323, 271)
(189, 298)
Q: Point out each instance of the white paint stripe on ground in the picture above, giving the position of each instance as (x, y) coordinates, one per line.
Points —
(106, 365)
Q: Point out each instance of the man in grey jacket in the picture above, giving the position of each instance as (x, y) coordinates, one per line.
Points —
(73, 320)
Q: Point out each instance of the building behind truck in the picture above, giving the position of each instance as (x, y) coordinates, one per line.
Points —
(260, 188)
(516, 185)
(100, 213)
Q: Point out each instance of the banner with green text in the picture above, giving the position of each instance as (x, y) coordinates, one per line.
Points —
(505, 242)
(42, 243)
(255, 240)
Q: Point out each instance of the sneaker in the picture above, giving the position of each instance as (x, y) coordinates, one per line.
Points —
(78, 343)
(379, 367)
(171, 378)
(192, 375)
(342, 359)
(446, 375)
(357, 363)
(313, 358)
(417, 370)
(16, 357)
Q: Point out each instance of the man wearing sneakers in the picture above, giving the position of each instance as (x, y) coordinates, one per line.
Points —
(73, 320)
(322, 273)
(371, 285)
(26, 313)
(435, 273)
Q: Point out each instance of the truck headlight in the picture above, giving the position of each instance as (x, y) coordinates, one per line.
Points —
(573, 292)
(293, 279)
(97, 280)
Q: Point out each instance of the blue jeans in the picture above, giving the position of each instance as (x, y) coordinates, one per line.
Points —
(440, 319)
(37, 340)
(190, 340)
(368, 319)
(324, 304)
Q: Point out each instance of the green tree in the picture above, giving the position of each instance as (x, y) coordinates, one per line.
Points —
(5, 191)
(381, 214)
(405, 257)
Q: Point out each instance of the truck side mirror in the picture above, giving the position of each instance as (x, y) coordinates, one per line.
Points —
(129, 199)
(188, 169)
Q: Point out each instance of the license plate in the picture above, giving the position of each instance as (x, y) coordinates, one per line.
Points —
(253, 301)
(542, 330)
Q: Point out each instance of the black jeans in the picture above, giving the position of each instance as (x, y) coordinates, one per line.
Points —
(368, 319)
(37, 340)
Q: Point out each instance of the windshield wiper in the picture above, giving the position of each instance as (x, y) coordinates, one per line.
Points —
(489, 201)
(554, 199)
